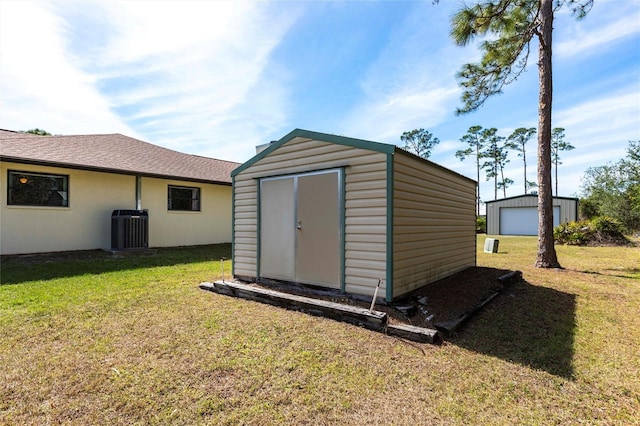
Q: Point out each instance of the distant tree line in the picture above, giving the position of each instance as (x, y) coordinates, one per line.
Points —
(613, 190)
(490, 152)
(39, 132)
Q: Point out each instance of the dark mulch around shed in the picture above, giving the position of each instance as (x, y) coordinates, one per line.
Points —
(441, 304)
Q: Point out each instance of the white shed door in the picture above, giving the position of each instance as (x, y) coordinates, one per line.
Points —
(318, 230)
(277, 239)
(300, 226)
(523, 220)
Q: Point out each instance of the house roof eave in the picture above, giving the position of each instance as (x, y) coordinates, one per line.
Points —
(43, 163)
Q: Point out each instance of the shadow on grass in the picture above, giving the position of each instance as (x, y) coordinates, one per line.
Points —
(631, 273)
(19, 269)
(526, 324)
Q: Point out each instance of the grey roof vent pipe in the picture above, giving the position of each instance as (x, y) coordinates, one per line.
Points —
(264, 146)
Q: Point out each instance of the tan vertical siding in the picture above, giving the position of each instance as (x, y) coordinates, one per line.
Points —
(568, 209)
(365, 206)
(245, 225)
(434, 223)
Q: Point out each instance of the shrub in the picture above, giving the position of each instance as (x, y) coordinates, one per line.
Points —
(588, 208)
(481, 224)
(607, 226)
(573, 233)
(600, 230)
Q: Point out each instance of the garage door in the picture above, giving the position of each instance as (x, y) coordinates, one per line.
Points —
(523, 220)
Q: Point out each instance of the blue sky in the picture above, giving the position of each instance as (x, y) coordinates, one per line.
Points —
(219, 78)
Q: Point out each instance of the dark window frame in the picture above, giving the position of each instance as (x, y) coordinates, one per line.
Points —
(36, 182)
(184, 203)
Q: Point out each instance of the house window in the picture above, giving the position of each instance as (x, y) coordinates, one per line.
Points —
(184, 198)
(37, 189)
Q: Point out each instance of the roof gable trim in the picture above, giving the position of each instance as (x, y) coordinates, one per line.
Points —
(323, 137)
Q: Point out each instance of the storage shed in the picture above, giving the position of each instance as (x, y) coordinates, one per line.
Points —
(346, 213)
(519, 215)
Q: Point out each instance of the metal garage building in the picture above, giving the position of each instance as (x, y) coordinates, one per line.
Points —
(344, 213)
(519, 215)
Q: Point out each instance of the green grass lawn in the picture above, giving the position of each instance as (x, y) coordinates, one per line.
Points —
(133, 340)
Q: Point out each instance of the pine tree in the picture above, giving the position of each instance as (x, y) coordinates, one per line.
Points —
(518, 142)
(473, 138)
(511, 25)
(558, 144)
(420, 142)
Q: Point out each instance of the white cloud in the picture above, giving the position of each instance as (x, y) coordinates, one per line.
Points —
(412, 83)
(234, 135)
(605, 121)
(598, 30)
(447, 146)
(186, 75)
(386, 118)
(145, 30)
(39, 86)
(208, 68)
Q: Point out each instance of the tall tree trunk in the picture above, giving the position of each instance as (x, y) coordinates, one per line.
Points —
(495, 183)
(478, 181)
(524, 160)
(547, 257)
(504, 187)
(556, 169)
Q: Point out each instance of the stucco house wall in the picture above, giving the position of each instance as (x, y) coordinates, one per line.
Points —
(106, 173)
(169, 228)
(84, 225)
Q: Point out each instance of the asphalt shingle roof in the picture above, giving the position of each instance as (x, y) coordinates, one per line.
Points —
(113, 153)
(11, 134)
